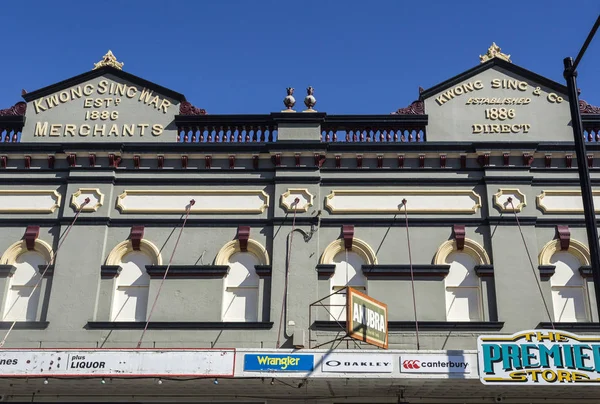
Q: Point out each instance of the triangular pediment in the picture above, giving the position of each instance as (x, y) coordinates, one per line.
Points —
(498, 101)
(102, 71)
(103, 105)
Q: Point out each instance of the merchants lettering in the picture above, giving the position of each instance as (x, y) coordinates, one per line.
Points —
(43, 129)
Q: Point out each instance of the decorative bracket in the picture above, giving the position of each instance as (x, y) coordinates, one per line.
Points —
(160, 161)
(31, 234)
(348, 235)
(243, 235)
(564, 235)
(72, 160)
(51, 160)
(459, 236)
(319, 160)
(136, 235)
(92, 159)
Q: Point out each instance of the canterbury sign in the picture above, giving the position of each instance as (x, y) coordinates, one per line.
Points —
(367, 319)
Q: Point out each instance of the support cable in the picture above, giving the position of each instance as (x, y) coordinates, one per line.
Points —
(412, 276)
(188, 208)
(64, 237)
(510, 200)
(287, 271)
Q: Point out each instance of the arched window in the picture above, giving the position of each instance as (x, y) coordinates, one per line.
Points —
(130, 294)
(462, 285)
(241, 285)
(569, 294)
(348, 272)
(22, 300)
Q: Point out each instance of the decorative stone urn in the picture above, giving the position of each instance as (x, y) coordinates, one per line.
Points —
(289, 101)
(310, 99)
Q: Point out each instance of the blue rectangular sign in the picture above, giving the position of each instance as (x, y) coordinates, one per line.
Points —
(278, 363)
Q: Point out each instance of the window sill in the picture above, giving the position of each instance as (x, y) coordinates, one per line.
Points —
(570, 326)
(178, 325)
(423, 325)
(188, 271)
(24, 325)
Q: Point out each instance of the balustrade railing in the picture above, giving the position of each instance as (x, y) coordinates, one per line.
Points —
(227, 134)
(376, 128)
(10, 134)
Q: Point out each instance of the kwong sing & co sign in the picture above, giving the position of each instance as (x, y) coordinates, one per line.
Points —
(539, 357)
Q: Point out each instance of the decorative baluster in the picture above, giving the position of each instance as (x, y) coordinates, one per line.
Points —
(259, 133)
(202, 128)
(185, 134)
(389, 135)
(334, 137)
(419, 135)
(382, 134)
(15, 136)
(368, 134)
(395, 134)
(179, 130)
(247, 137)
(239, 130)
(411, 137)
(597, 130)
(348, 135)
(362, 135)
(402, 136)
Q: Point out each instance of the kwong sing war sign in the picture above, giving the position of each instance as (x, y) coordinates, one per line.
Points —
(367, 319)
(539, 357)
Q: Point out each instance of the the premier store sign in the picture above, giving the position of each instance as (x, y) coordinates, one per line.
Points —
(539, 357)
(115, 363)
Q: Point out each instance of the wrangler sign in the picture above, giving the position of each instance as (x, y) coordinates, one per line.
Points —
(366, 319)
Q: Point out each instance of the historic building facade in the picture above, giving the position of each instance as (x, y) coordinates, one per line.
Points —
(153, 252)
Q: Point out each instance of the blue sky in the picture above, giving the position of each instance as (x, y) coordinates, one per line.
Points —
(239, 56)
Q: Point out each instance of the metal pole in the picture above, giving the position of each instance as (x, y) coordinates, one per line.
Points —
(589, 211)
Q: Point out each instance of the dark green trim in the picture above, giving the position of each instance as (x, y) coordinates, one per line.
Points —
(24, 325)
(423, 325)
(188, 271)
(325, 270)
(570, 326)
(7, 270)
(403, 271)
(177, 325)
(546, 271)
(484, 270)
(110, 271)
(92, 74)
(263, 270)
(511, 67)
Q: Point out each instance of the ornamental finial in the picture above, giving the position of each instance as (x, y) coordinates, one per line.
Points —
(310, 101)
(494, 52)
(109, 60)
(289, 101)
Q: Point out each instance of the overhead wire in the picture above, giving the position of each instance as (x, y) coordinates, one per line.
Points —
(50, 262)
(187, 215)
(412, 275)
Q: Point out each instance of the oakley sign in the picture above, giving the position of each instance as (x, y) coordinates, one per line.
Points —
(357, 363)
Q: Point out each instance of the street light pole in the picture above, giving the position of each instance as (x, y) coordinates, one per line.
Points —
(589, 211)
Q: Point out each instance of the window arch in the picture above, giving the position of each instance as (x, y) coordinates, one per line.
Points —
(242, 283)
(347, 272)
(464, 300)
(570, 299)
(22, 299)
(130, 293)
